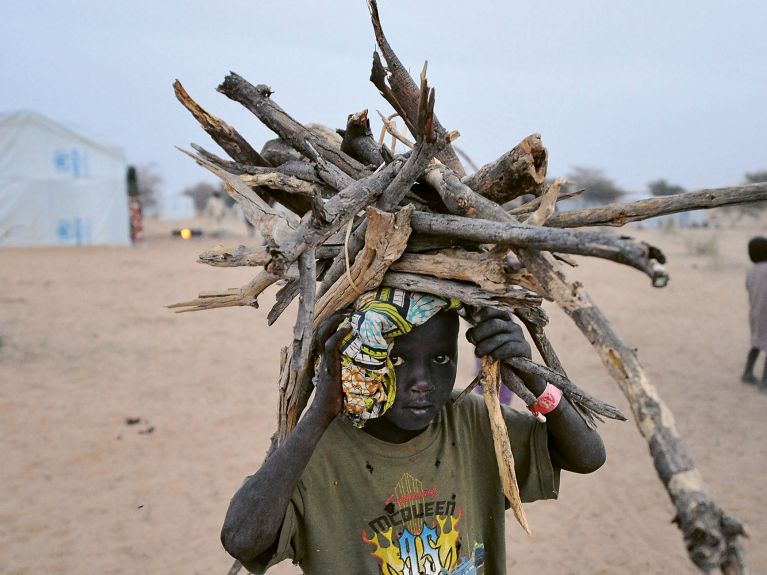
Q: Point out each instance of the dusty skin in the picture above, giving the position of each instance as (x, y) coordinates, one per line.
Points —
(87, 343)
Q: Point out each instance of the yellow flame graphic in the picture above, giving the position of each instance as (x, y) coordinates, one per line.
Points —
(448, 540)
(391, 562)
(422, 549)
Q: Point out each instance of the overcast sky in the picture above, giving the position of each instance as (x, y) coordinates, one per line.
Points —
(641, 89)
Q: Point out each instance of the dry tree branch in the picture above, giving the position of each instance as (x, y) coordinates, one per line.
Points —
(303, 329)
(241, 255)
(571, 391)
(223, 257)
(296, 203)
(487, 270)
(233, 144)
(511, 299)
(520, 171)
(390, 126)
(490, 380)
(257, 99)
(621, 214)
(621, 249)
(399, 89)
(358, 141)
(533, 204)
(244, 296)
(222, 133)
(548, 204)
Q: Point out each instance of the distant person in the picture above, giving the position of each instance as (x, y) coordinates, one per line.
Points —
(134, 206)
(756, 284)
(215, 207)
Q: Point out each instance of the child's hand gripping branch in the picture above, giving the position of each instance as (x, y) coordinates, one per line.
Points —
(573, 446)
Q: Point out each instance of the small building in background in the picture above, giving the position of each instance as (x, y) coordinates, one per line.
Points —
(59, 187)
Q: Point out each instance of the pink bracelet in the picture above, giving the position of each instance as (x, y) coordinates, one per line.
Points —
(547, 401)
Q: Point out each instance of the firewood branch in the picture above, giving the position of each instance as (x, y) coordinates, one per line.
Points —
(520, 171)
(621, 214)
(533, 204)
(621, 249)
(512, 299)
(224, 257)
(490, 380)
(258, 100)
(222, 133)
(570, 390)
(244, 296)
(359, 143)
(400, 90)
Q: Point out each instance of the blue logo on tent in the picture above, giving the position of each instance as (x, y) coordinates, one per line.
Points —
(73, 231)
(72, 161)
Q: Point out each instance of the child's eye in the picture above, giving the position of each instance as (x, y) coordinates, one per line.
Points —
(442, 359)
(396, 360)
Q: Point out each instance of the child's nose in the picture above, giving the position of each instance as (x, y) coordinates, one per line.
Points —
(420, 382)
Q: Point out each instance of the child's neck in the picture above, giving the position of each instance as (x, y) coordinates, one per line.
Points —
(386, 431)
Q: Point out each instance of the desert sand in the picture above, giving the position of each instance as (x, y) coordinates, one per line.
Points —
(87, 344)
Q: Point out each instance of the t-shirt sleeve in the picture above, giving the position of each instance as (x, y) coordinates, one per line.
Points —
(289, 539)
(536, 476)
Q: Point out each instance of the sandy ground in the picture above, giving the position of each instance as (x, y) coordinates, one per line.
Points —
(87, 343)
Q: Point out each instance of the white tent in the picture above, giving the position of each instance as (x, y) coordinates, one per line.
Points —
(58, 187)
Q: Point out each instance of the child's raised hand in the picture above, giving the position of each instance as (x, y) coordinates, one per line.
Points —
(329, 394)
(496, 335)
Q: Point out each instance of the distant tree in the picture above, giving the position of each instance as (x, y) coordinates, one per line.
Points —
(753, 209)
(757, 177)
(149, 182)
(200, 192)
(597, 188)
(663, 188)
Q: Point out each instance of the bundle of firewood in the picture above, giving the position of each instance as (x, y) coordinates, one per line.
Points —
(349, 212)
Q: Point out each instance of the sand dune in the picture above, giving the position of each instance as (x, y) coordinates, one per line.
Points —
(87, 344)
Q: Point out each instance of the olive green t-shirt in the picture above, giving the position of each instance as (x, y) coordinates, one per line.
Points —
(432, 505)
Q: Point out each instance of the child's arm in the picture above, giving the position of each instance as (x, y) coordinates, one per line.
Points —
(573, 446)
(257, 510)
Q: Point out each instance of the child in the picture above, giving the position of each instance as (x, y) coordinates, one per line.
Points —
(756, 284)
(405, 482)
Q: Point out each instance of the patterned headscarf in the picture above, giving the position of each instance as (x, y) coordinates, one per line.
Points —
(367, 373)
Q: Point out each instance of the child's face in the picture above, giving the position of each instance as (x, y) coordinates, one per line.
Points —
(425, 362)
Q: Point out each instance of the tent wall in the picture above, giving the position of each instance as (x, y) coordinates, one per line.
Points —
(58, 187)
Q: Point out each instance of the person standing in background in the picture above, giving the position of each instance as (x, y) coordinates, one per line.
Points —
(756, 284)
(215, 209)
(134, 206)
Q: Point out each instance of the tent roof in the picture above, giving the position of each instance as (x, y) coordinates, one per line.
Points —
(29, 117)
